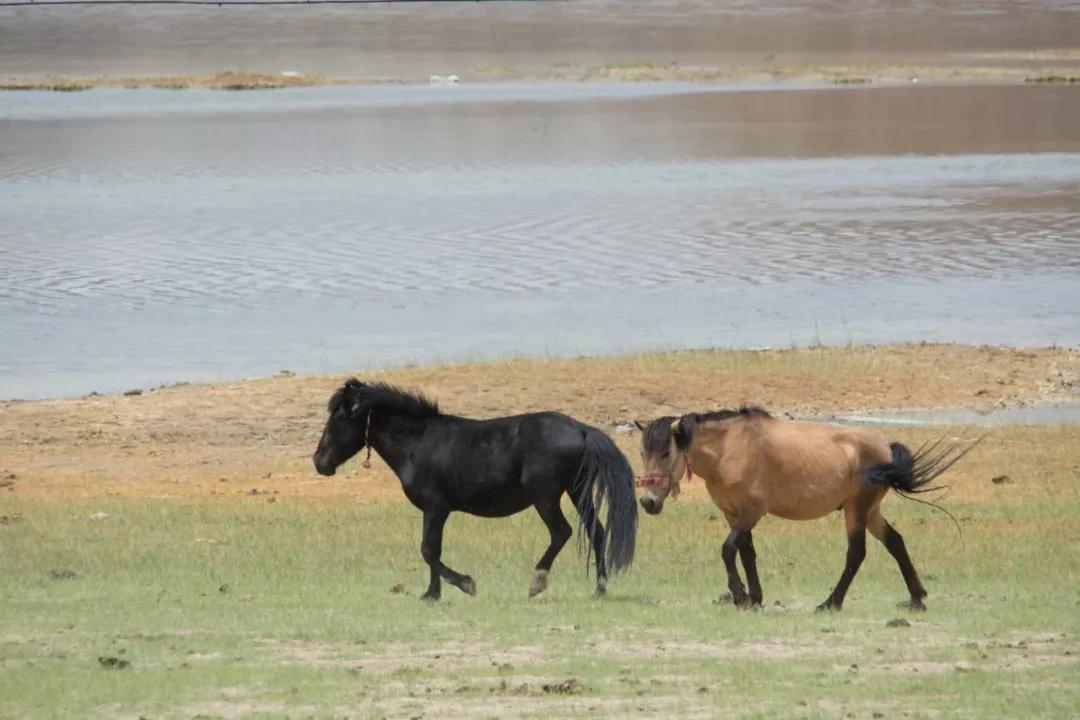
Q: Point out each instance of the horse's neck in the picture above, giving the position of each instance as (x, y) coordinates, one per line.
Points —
(393, 437)
(707, 448)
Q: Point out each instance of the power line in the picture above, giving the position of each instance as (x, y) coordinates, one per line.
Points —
(222, 3)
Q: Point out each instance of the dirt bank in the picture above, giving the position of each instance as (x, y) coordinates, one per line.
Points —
(255, 437)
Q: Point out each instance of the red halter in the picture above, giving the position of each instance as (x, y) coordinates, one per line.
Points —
(655, 478)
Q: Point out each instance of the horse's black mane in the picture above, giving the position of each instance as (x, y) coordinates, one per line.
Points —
(655, 436)
(382, 395)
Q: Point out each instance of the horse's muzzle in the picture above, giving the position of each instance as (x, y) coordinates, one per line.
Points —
(322, 469)
(652, 505)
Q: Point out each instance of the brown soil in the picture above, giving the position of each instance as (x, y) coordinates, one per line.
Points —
(252, 440)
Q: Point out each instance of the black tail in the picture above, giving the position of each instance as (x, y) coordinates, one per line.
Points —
(912, 472)
(606, 475)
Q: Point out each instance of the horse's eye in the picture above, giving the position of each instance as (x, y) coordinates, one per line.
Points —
(666, 454)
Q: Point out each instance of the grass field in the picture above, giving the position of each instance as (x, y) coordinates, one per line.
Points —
(306, 609)
(124, 603)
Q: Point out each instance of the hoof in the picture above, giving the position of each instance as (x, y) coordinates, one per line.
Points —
(601, 588)
(468, 585)
(741, 600)
(828, 607)
(430, 596)
(539, 583)
(747, 604)
(914, 605)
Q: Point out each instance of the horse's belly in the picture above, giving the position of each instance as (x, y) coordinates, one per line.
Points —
(497, 502)
(811, 501)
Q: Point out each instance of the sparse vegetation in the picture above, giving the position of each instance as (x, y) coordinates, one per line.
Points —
(52, 86)
(228, 80)
(1054, 79)
(643, 70)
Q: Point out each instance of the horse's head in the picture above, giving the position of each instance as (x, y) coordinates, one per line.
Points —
(345, 432)
(665, 463)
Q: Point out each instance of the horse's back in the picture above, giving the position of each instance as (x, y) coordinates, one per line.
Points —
(804, 469)
(491, 467)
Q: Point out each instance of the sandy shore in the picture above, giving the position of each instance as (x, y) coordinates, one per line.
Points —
(256, 437)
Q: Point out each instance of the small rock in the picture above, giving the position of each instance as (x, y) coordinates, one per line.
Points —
(97, 516)
(133, 392)
(624, 429)
(702, 690)
(63, 575)
(113, 663)
(284, 374)
(898, 622)
(224, 588)
(566, 687)
(1000, 479)
(398, 588)
(963, 667)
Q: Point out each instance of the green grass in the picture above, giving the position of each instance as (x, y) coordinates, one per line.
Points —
(242, 608)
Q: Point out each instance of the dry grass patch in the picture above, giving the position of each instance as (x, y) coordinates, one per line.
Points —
(252, 440)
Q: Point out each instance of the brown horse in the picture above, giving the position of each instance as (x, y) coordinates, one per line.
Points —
(754, 465)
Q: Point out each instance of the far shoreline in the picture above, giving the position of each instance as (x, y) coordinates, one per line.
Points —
(614, 72)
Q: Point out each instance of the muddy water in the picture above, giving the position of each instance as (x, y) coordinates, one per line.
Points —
(415, 39)
(155, 236)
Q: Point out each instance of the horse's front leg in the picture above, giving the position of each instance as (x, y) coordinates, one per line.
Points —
(560, 531)
(749, 563)
(431, 550)
(729, 552)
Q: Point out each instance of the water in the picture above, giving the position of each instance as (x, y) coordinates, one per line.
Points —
(157, 236)
(1062, 413)
(416, 39)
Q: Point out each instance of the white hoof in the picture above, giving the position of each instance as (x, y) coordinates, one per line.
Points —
(539, 583)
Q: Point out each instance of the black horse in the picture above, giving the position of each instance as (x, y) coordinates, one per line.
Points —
(491, 468)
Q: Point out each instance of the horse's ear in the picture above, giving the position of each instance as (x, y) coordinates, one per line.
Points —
(640, 425)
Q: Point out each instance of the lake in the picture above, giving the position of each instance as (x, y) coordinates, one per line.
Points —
(153, 236)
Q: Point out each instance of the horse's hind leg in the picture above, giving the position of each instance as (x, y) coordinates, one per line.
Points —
(855, 520)
(560, 530)
(894, 543)
(431, 549)
(592, 525)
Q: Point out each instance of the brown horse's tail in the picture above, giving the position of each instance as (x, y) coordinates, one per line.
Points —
(912, 472)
